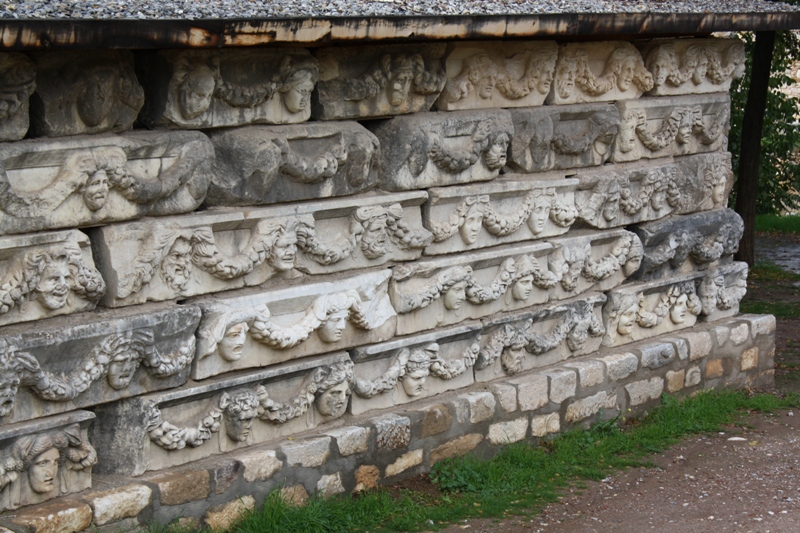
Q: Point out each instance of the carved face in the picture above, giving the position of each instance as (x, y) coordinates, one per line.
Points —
(97, 95)
(627, 320)
(472, 225)
(43, 470)
(495, 156)
(684, 134)
(659, 199)
(195, 92)
(373, 240)
(9, 385)
(95, 192)
(53, 287)
(627, 134)
(677, 313)
(283, 252)
(177, 265)
(239, 426)
(333, 328)
(333, 402)
(522, 288)
(486, 84)
(545, 80)
(454, 296)
(718, 195)
(570, 279)
(414, 382)
(565, 81)
(627, 71)
(232, 344)
(539, 215)
(660, 68)
(121, 370)
(611, 206)
(512, 358)
(298, 97)
(399, 86)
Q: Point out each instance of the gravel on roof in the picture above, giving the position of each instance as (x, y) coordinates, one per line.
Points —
(270, 9)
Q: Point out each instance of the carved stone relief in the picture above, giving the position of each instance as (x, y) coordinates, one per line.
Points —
(47, 274)
(422, 366)
(45, 459)
(218, 250)
(672, 126)
(693, 66)
(18, 75)
(79, 91)
(562, 137)
(61, 366)
(447, 148)
(618, 195)
(92, 180)
(508, 74)
(721, 290)
(197, 420)
(377, 81)
(198, 89)
(682, 244)
(513, 210)
(259, 165)
(599, 72)
(449, 290)
(256, 327)
(705, 181)
(544, 336)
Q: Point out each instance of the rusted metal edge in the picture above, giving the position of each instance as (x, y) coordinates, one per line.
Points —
(62, 34)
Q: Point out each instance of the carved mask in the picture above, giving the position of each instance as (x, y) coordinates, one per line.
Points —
(399, 85)
(196, 92)
(677, 312)
(545, 79)
(472, 225)
(231, 346)
(43, 470)
(332, 329)
(373, 239)
(522, 288)
(627, 70)
(539, 215)
(486, 84)
(95, 192)
(283, 252)
(627, 320)
(53, 287)
(122, 368)
(495, 156)
(718, 195)
(333, 402)
(176, 268)
(454, 297)
(98, 95)
(9, 385)
(414, 382)
(512, 358)
(611, 206)
(298, 97)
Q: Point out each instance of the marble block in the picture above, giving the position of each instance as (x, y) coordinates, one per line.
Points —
(222, 249)
(705, 182)
(257, 327)
(79, 361)
(513, 209)
(599, 72)
(97, 179)
(257, 165)
(84, 91)
(45, 459)
(200, 89)
(562, 137)
(693, 66)
(540, 337)
(174, 427)
(672, 126)
(377, 80)
(448, 290)
(498, 74)
(439, 149)
(413, 368)
(721, 289)
(47, 274)
(685, 243)
(19, 81)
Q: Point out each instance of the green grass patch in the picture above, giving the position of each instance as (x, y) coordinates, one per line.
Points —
(779, 309)
(778, 223)
(766, 271)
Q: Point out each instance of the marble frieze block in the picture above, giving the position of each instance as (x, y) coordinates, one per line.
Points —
(705, 182)
(47, 274)
(599, 72)
(84, 91)
(562, 137)
(543, 336)
(498, 74)
(672, 126)
(222, 249)
(257, 165)
(448, 290)
(200, 89)
(94, 180)
(45, 459)
(693, 66)
(682, 244)
(170, 428)
(721, 289)
(413, 368)
(19, 81)
(446, 148)
(377, 80)
(258, 327)
(513, 209)
(66, 363)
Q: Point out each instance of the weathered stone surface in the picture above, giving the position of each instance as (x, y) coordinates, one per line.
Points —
(351, 440)
(58, 365)
(481, 406)
(590, 373)
(722, 333)
(498, 74)
(225, 473)
(19, 80)
(438, 149)
(693, 66)
(404, 370)
(367, 477)
(532, 391)
(295, 495)
(116, 504)
(437, 419)
(259, 465)
(675, 380)
(681, 244)
(514, 209)
(645, 390)
(80, 91)
(693, 377)
(657, 354)
(563, 384)
(404, 462)
(760, 324)
(223, 517)
(714, 369)
(94, 180)
(620, 366)
(63, 516)
(45, 459)
(599, 71)
(256, 327)
(699, 344)
(456, 447)
(672, 126)
(508, 432)
(175, 488)
(307, 453)
(506, 396)
(545, 424)
(750, 359)
(200, 89)
(740, 334)
(562, 137)
(589, 406)
(721, 290)
(377, 81)
(392, 431)
(257, 165)
(681, 347)
(214, 251)
(47, 274)
(330, 485)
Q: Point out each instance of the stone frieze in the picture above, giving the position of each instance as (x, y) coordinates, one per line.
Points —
(19, 81)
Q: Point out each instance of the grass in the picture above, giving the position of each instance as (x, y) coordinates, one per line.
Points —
(768, 272)
(521, 478)
(778, 223)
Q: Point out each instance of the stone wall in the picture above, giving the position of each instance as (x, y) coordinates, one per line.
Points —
(240, 270)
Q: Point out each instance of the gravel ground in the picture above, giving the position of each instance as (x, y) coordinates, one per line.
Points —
(233, 9)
